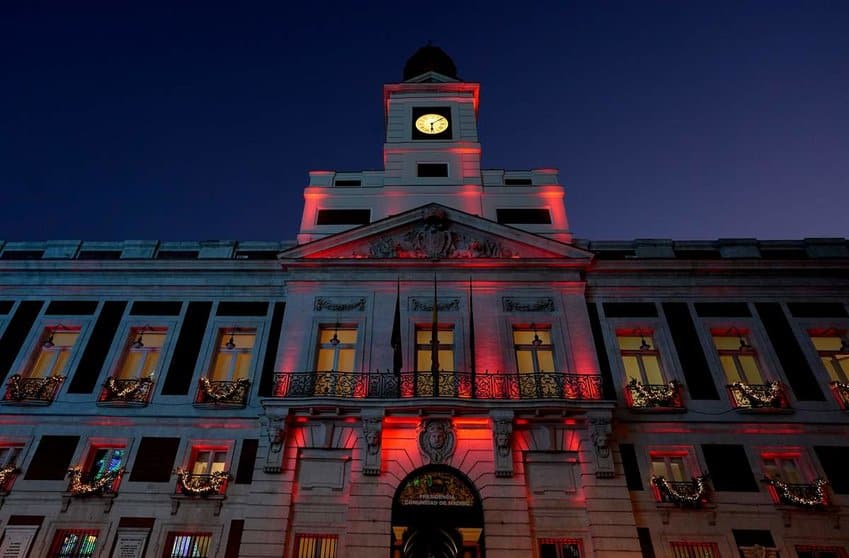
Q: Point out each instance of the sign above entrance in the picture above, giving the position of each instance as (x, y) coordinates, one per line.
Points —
(436, 488)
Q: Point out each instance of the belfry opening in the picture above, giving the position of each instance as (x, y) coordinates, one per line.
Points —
(437, 513)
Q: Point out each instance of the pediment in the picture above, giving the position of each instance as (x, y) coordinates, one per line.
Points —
(436, 232)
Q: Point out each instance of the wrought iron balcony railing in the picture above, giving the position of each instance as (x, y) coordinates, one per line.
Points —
(656, 397)
(811, 495)
(222, 393)
(87, 484)
(682, 493)
(841, 393)
(129, 392)
(7, 476)
(769, 396)
(464, 385)
(32, 391)
(189, 484)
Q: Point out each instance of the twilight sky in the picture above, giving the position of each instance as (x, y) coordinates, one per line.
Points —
(193, 120)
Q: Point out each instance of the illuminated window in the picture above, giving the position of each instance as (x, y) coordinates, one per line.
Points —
(534, 351)
(559, 548)
(737, 356)
(694, 550)
(833, 349)
(206, 461)
(337, 348)
(784, 467)
(141, 353)
(316, 546)
(53, 351)
(105, 461)
(187, 545)
(444, 348)
(672, 467)
(640, 356)
(808, 551)
(233, 354)
(74, 543)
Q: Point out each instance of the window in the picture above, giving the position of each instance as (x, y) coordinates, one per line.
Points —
(206, 461)
(155, 460)
(444, 348)
(54, 349)
(316, 546)
(534, 351)
(833, 350)
(187, 545)
(694, 550)
(737, 356)
(206, 473)
(670, 467)
(141, 353)
(432, 170)
(640, 356)
(343, 216)
(784, 467)
(74, 543)
(523, 216)
(52, 458)
(105, 462)
(337, 347)
(820, 552)
(559, 548)
(233, 354)
(675, 478)
(729, 468)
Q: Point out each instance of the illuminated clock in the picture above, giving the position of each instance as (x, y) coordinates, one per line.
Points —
(431, 123)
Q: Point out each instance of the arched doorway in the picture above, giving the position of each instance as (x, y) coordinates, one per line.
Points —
(437, 513)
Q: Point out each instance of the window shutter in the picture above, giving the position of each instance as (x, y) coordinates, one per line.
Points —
(155, 460)
(247, 460)
(632, 470)
(234, 538)
(179, 378)
(266, 381)
(646, 546)
(88, 370)
(729, 468)
(601, 351)
(697, 374)
(52, 458)
(16, 332)
(833, 460)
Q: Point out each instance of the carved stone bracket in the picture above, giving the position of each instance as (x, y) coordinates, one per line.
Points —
(274, 424)
(339, 305)
(600, 430)
(437, 440)
(502, 437)
(372, 420)
(528, 304)
(426, 304)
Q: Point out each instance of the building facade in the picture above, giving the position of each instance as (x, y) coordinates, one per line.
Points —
(434, 368)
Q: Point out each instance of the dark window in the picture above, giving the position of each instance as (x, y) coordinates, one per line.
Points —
(817, 309)
(614, 254)
(266, 381)
(629, 463)
(345, 182)
(71, 307)
(247, 460)
(646, 546)
(793, 361)
(517, 182)
(722, 309)
(155, 460)
(432, 170)
(234, 538)
(177, 255)
(94, 355)
(697, 375)
(729, 468)
(559, 548)
(523, 216)
(630, 309)
(242, 308)
(99, 255)
(6, 306)
(52, 458)
(179, 377)
(783, 253)
(16, 332)
(820, 552)
(343, 217)
(156, 308)
(833, 460)
(601, 352)
(22, 255)
(751, 537)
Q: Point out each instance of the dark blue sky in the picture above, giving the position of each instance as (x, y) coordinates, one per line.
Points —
(195, 120)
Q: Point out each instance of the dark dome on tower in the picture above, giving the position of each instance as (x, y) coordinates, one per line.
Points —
(429, 58)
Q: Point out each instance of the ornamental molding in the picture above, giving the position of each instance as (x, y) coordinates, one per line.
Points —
(415, 304)
(437, 440)
(512, 304)
(339, 304)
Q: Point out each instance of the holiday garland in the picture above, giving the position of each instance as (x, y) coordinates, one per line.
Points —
(6, 474)
(224, 391)
(100, 485)
(771, 397)
(201, 485)
(131, 387)
(690, 497)
(653, 396)
(31, 388)
(790, 494)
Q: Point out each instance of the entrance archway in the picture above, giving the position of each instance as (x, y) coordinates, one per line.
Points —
(437, 513)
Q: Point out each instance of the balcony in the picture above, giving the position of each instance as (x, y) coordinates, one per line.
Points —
(189, 484)
(808, 496)
(654, 397)
(216, 393)
(448, 385)
(31, 391)
(841, 394)
(692, 494)
(85, 484)
(133, 392)
(769, 397)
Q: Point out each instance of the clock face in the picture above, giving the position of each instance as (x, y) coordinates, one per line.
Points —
(431, 124)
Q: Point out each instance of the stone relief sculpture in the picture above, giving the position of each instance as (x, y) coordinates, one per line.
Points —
(334, 305)
(372, 430)
(528, 305)
(600, 432)
(274, 424)
(424, 305)
(436, 440)
(502, 434)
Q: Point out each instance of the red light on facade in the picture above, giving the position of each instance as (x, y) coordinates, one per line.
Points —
(471, 422)
(401, 421)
